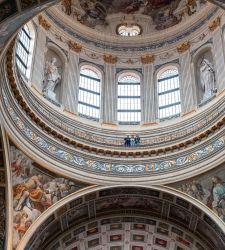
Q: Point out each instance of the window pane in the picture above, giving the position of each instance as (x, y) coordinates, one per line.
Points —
(129, 99)
(169, 93)
(23, 49)
(89, 93)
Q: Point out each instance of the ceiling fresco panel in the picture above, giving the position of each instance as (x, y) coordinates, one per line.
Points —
(163, 14)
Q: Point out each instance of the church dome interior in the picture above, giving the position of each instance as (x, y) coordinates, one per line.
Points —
(112, 124)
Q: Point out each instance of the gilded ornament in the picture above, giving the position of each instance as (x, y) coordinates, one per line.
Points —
(214, 24)
(183, 47)
(148, 59)
(110, 59)
(44, 23)
(74, 46)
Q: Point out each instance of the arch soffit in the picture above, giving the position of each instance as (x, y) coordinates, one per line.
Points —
(85, 191)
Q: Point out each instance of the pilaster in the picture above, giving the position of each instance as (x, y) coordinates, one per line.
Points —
(148, 89)
(71, 84)
(218, 53)
(187, 82)
(109, 97)
(37, 74)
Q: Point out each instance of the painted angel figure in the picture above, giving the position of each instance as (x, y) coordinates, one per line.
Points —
(207, 77)
(52, 78)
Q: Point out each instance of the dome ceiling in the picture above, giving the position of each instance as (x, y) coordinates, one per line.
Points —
(160, 14)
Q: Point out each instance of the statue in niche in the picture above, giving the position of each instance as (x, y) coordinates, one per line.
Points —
(207, 78)
(52, 78)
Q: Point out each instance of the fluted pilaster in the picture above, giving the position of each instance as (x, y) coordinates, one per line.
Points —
(149, 104)
(187, 84)
(37, 74)
(109, 100)
(219, 59)
(71, 84)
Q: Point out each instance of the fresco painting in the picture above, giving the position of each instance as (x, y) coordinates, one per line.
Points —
(209, 188)
(163, 13)
(28, 3)
(34, 190)
(7, 8)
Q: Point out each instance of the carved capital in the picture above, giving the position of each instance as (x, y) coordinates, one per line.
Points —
(148, 59)
(74, 46)
(183, 47)
(214, 24)
(44, 23)
(111, 59)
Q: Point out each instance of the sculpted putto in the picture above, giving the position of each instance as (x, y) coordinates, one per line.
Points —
(52, 78)
(207, 77)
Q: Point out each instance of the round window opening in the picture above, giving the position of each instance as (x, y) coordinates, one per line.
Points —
(131, 30)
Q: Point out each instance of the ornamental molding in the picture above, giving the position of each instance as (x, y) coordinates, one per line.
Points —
(110, 59)
(214, 24)
(74, 46)
(42, 21)
(183, 47)
(148, 59)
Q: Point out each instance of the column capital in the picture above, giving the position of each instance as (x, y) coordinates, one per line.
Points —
(148, 59)
(74, 46)
(110, 59)
(214, 24)
(44, 23)
(183, 47)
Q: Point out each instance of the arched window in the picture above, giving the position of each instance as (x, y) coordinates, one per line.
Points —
(169, 93)
(89, 93)
(125, 30)
(24, 49)
(129, 99)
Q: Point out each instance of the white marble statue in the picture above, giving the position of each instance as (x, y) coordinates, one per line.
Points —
(52, 78)
(207, 77)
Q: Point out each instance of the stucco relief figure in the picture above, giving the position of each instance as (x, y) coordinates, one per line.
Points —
(52, 78)
(207, 78)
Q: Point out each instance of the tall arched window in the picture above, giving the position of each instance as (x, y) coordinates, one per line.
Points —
(89, 93)
(129, 99)
(24, 49)
(169, 93)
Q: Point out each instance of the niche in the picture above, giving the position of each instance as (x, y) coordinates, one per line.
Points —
(53, 75)
(205, 75)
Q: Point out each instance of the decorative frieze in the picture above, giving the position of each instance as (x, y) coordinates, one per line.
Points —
(214, 24)
(75, 160)
(148, 59)
(43, 22)
(111, 59)
(74, 46)
(183, 47)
